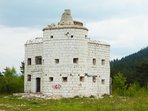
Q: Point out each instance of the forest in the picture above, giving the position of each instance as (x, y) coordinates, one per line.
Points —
(134, 67)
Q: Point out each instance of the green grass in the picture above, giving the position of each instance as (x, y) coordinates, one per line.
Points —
(115, 103)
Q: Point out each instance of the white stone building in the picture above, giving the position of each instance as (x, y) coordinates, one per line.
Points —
(65, 62)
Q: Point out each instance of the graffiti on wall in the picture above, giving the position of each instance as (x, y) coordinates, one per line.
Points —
(56, 86)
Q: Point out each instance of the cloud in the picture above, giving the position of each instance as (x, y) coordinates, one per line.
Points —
(126, 35)
(12, 42)
(40, 12)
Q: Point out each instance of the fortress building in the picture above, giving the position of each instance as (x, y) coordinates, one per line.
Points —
(65, 62)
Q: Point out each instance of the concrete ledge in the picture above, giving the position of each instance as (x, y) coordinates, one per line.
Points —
(55, 28)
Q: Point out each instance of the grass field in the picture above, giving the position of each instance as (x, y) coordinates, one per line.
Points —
(115, 103)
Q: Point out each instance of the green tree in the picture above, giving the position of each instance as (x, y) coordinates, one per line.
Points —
(10, 81)
(122, 88)
(119, 84)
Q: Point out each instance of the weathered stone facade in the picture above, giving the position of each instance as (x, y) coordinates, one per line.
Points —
(65, 62)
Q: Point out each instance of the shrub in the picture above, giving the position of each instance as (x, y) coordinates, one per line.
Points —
(132, 89)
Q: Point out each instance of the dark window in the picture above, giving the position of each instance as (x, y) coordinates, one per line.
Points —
(94, 78)
(51, 36)
(64, 79)
(103, 61)
(38, 59)
(94, 61)
(103, 81)
(75, 60)
(29, 61)
(28, 77)
(81, 78)
(56, 61)
(71, 36)
(50, 79)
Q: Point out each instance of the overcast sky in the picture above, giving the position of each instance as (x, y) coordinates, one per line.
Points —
(121, 23)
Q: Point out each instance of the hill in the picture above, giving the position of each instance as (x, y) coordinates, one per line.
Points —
(134, 67)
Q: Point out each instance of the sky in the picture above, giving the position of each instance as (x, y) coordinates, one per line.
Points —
(121, 23)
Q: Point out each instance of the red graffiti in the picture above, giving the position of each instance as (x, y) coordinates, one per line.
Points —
(56, 86)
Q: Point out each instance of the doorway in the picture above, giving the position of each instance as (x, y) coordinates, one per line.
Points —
(38, 84)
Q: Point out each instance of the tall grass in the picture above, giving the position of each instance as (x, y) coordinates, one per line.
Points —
(138, 102)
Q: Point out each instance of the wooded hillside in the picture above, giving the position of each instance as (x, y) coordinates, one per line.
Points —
(134, 67)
